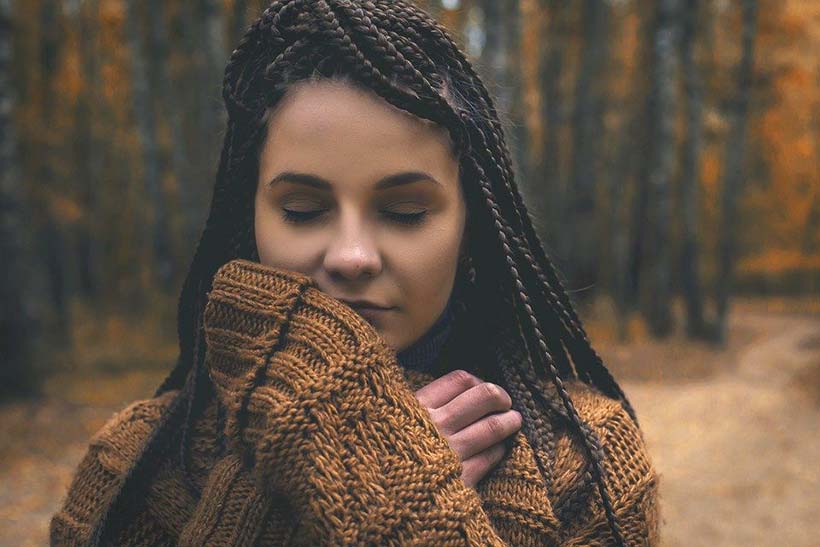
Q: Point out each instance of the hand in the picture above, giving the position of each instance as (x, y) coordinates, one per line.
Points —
(460, 405)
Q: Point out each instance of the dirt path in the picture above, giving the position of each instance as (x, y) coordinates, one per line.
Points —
(739, 452)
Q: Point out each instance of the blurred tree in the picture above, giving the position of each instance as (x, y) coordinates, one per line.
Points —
(690, 176)
(663, 106)
(168, 101)
(239, 22)
(500, 67)
(589, 94)
(551, 68)
(625, 137)
(200, 31)
(51, 238)
(87, 154)
(210, 16)
(433, 7)
(580, 241)
(18, 327)
(733, 169)
(145, 118)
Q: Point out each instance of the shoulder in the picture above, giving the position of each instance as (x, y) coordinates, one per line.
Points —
(111, 451)
(631, 479)
(121, 438)
(620, 437)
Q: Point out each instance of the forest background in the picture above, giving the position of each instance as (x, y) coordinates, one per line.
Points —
(667, 150)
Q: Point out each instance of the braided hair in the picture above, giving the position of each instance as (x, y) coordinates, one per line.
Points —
(398, 51)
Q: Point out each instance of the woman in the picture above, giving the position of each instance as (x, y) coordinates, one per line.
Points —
(461, 404)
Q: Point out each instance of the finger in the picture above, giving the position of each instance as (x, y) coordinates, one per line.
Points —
(442, 390)
(470, 406)
(485, 433)
(476, 467)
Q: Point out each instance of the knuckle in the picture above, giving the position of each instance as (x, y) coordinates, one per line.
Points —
(494, 425)
(440, 417)
(496, 393)
(491, 390)
(462, 378)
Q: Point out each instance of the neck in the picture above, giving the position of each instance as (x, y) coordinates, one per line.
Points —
(422, 353)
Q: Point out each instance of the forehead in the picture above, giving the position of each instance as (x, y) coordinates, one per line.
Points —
(335, 125)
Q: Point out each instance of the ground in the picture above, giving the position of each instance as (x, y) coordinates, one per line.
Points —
(733, 433)
(737, 451)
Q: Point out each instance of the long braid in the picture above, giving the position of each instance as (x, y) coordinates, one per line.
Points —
(588, 363)
(551, 284)
(590, 439)
(549, 280)
(558, 298)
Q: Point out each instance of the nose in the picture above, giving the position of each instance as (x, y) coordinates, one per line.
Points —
(352, 254)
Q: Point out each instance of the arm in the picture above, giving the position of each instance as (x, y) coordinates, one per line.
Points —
(317, 403)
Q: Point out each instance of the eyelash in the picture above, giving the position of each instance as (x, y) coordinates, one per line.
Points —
(303, 217)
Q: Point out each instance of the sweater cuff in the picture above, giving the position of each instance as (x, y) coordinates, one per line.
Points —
(316, 399)
(279, 348)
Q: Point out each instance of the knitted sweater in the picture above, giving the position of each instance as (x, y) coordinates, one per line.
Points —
(326, 444)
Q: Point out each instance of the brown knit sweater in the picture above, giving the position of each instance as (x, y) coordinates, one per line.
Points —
(327, 445)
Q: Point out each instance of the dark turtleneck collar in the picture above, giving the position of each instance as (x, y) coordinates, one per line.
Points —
(422, 353)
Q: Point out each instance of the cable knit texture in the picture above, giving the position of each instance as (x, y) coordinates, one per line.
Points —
(328, 445)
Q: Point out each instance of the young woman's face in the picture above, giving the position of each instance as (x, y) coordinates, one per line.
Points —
(364, 198)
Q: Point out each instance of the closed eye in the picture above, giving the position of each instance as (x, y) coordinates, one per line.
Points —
(299, 217)
(406, 218)
(302, 217)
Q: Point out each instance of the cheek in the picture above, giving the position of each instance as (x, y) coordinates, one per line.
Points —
(428, 269)
(276, 245)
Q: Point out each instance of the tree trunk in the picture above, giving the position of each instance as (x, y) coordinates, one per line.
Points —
(619, 217)
(173, 109)
(733, 169)
(212, 17)
(87, 151)
(690, 176)
(145, 120)
(500, 67)
(662, 109)
(200, 26)
(18, 327)
(580, 243)
(551, 66)
(51, 239)
(239, 22)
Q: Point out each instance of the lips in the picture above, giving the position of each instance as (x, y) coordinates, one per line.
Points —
(365, 305)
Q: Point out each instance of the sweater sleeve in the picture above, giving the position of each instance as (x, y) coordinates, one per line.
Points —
(317, 405)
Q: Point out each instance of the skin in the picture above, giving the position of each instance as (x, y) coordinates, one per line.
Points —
(396, 246)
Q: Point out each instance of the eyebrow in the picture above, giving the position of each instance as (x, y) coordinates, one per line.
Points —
(384, 183)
